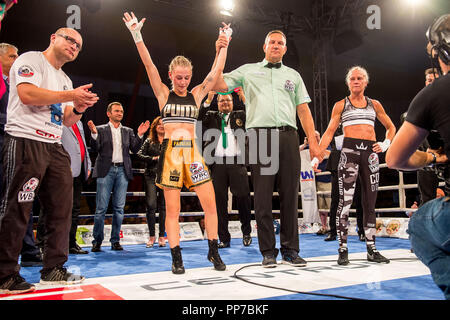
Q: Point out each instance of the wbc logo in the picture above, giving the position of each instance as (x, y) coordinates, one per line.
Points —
(27, 195)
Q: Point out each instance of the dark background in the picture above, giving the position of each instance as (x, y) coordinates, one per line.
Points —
(394, 55)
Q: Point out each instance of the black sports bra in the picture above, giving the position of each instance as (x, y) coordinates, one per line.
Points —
(179, 109)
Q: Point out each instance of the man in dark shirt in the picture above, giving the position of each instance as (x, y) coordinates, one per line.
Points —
(427, 179)
(429, 227)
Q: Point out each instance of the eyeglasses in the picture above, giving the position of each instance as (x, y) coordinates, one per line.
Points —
(71, 40)
(225, 100)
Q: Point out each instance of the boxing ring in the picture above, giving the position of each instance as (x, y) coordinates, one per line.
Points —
(140, 273)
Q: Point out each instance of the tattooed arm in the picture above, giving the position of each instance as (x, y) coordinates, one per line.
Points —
(203, 89)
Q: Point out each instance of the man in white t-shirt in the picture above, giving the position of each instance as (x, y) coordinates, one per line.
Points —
(41, 101)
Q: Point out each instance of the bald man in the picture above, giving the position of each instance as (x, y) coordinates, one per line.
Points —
(42, 101)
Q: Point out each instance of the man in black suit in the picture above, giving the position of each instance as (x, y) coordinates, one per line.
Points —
(225, 156)
(113, 170)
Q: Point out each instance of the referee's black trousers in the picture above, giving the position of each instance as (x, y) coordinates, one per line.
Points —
(286, 176)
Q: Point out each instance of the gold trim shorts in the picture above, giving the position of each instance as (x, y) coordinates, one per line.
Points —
(180, 163)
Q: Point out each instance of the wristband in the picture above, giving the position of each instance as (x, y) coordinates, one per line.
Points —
(136, 33)
(228, 32)
(434, 158)
(75, 111)
(385, 144)
(137, 36)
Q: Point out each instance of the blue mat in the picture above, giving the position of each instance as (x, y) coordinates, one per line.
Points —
(137, 259)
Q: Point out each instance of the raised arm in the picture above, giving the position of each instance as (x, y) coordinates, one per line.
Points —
(159, 88)
(203, 89)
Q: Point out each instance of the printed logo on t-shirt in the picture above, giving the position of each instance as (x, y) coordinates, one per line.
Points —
(27, 193)
(56, 114)
(26, 71)
(289, 86)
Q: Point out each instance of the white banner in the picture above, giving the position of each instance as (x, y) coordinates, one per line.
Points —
(234, 227)
(136, 233)
(308, 189)
(386, 227)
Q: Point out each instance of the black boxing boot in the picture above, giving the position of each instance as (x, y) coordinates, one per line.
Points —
(343, 256)
(213, 255)
(177, 260)
(374, 256)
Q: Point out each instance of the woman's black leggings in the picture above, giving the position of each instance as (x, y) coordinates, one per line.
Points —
(154, 198)
(357, 158)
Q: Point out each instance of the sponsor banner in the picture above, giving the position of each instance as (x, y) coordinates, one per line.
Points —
(190, 231)
(234, 227)
(136, 233)
(386, 227)
(306, 227)
(308, 189)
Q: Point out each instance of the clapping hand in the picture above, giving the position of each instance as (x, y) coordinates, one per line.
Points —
(83, 98)
(92, 127)
(143, 127)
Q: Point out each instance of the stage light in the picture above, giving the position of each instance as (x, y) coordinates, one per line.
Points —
(413, 3)
(227, 7)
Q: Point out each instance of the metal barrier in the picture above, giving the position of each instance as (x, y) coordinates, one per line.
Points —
(401, 187)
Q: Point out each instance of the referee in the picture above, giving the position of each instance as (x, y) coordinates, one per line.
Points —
(275, 95)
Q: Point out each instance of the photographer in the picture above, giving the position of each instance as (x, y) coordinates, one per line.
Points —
(428, 115)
